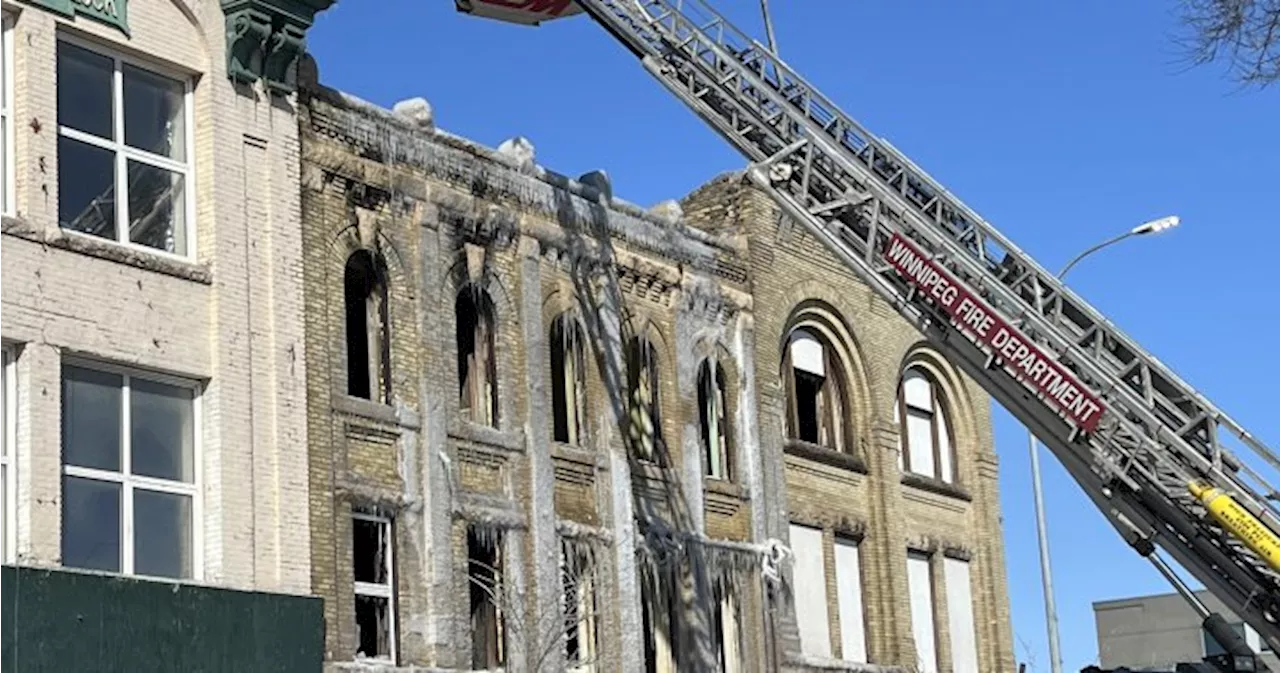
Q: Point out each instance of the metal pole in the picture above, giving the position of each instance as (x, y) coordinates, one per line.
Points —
(768, 26)
(1042, 536)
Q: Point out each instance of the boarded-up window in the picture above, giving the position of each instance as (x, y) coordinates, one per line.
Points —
(920, 585)
(368, 343)
(477, 366)
(810, 580)
(964, 646)
(816, 410)
(484, 563)
(924, 433)
(642, 387)
(713, 425)
(568, 380)
(853, 642)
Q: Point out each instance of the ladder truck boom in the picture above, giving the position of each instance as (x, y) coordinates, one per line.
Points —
(1142, 444)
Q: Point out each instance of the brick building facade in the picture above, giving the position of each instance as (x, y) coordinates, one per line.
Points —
(550, 430)
(154, 407)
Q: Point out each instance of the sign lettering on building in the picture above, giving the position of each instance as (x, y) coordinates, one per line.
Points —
(111, 12)
(980, 323)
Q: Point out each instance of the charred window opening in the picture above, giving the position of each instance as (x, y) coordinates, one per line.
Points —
(657, 603)
(642, 393)
(477, 369)
(484, 572)
(923, 429)
(371, 561)
(815, 392)
(580, 610)
(725, 629)
(368, 346)
(568, 380)
(713, 425)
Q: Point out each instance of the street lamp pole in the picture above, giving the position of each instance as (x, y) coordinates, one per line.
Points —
(1046, 576)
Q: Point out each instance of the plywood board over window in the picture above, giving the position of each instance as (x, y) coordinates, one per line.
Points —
(964, 646)
(853, 640)
(920, 585)
(810, 580)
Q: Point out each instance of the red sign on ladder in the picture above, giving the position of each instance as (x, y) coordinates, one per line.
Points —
(981, 324)
(528, 12)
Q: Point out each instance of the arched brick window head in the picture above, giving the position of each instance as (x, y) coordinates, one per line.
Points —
(924, 432)
(816, 411)
(568, 380)
(713, 420)
(477, 367)
(368, 342)
(642, 391)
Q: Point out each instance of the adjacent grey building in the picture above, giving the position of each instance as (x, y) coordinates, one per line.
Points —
(1155, 633)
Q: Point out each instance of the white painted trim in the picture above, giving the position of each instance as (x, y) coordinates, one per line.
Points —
(9, 410)
(124, 153)
(10, 183)
(129, 481)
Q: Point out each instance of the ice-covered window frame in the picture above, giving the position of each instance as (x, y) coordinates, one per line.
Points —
(487, 598)
(578, 573)
(8, 407)
(125, 158)
(713, 423)
(130, 476)
(568, 380)
(373, 565)
(727, 629)
(924, 430)
(6, 114)
(477, 362)
(643, 398)
(816, 409)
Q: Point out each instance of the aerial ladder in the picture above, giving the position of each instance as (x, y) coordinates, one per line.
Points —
(1157, 458)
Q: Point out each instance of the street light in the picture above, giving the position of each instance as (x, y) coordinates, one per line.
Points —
(1046, 577)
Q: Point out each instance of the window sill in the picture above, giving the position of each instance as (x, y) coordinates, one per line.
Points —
(821, 454)
(935, 486)
(574, 453)
(383, 413)
(722, 487)
(489, 436)
(111, 251)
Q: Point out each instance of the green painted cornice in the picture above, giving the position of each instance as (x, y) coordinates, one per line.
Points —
(265, 39)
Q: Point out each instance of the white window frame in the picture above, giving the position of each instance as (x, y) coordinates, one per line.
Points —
(123, 152)
(8, 189)
(128, 481)
(942, 435)
(9, 549)
(376, 590)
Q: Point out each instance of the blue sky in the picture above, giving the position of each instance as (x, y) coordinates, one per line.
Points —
(1062, 123)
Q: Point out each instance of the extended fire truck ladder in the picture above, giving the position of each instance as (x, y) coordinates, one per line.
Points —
(934, 259)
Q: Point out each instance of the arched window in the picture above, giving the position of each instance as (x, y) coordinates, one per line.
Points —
(816, 410)
(925, 434)
(368, 345)
(713, 421)
(642, 393)
(568, 380)
(477, 368)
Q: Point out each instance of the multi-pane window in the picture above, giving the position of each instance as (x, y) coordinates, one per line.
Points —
(923, 429)
(713, 426)
(124, 157)
(373, 564)
(568, 380)
(7, 436)
(578, 573)
(484, 576)
(477, 366)
(642, 389)
(816, 410)
(129, 474)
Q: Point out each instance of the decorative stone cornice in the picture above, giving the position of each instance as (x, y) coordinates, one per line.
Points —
(265, 39)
